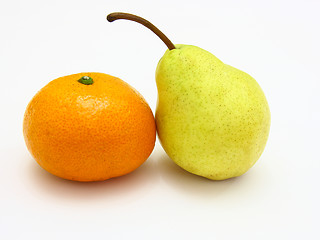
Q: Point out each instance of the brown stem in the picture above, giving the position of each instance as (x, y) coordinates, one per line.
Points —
(119, 15)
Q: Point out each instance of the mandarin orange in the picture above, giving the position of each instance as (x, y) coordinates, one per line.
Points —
(89, 127)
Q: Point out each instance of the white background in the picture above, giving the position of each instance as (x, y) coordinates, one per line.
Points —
(277, 42)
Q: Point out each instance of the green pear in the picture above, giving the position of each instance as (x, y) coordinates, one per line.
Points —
(213, 120)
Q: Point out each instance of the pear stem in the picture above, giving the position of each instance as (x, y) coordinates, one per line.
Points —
(120, 15)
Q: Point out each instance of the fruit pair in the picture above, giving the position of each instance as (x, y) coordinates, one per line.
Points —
(212, 120)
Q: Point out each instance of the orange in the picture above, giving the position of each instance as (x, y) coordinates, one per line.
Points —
(89, 127)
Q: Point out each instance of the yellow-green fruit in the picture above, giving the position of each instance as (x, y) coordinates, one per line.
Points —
(213, 120)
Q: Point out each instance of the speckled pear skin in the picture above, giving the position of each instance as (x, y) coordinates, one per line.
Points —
(213, 120)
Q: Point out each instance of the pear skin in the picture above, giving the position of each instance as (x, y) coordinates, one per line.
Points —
(213, 120)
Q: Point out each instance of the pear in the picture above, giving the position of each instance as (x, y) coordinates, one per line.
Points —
(212, 120)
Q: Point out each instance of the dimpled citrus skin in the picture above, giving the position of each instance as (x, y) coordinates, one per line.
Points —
(213, 120)
(89, 132)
